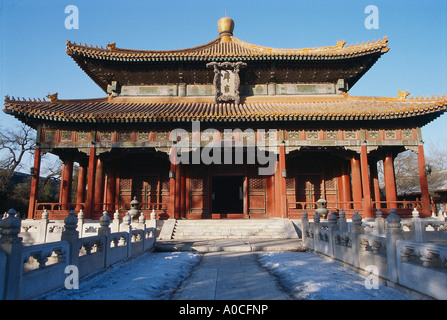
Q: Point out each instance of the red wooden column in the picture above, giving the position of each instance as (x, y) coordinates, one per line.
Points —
(356, 181)
(172, 177)
(111, 188)
(277, 191)
(178, 180)
(425, 197)
(367, 205)
(390, 181)
(183, 193)
(346, 186)
(375, 182)
(34, 184)
(280, 185)
(61, 185)
(80, 191)
(99, 185)
(90, 184)
(66, 181)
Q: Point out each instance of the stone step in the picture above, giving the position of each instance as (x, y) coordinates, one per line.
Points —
(233, 229)
(218, 231)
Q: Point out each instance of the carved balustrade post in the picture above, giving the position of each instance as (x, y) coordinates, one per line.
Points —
(153, 220)
(305, 226)
(126, 226)
(356, 230)
(116, 221)
(71, 235)
(332, 226)
(417, 226)
(80, 224)
(342, 225)
(380, 223)
(394, 233)
(316, 229)
(104, 230)
(43, 226)
(11, 244)
(142, 221)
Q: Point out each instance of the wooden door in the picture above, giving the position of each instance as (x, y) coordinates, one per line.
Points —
(309, 189)
(146, 189)
(257, 195)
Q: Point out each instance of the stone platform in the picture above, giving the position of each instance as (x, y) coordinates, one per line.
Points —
(232, 245)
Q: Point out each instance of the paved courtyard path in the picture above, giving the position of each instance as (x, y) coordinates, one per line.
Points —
(230, 276)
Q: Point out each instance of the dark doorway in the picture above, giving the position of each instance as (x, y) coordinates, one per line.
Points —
(227, 194)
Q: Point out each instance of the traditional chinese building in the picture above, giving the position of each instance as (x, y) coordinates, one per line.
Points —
(195, 133)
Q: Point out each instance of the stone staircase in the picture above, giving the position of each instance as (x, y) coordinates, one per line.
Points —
(232, 229)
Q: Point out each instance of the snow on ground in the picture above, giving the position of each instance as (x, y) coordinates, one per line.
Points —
(155, 276)
(151, 276)
(307, 276)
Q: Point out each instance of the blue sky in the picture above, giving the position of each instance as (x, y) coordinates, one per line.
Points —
(33, 61)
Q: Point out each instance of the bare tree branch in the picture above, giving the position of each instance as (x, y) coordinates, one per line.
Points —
(14, 144)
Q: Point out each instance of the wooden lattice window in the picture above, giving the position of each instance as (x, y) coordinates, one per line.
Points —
(256, 183)
(126, 184)
(197, 184)
(290, 183)
(165, 184)
(330, 184)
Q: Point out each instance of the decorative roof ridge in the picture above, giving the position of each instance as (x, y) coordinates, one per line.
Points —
(402, 96)
(286, 99)
(53, 98)
(112, 48)
(341, 45)
(340, 48)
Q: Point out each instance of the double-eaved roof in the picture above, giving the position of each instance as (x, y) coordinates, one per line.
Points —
(234, 49)
(188, 66)
(336, 107)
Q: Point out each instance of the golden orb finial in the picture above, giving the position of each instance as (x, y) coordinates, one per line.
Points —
(225, 26)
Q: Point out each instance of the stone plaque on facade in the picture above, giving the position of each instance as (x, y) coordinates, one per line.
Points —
(226, 80)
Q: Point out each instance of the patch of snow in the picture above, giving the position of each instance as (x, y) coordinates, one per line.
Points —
(151, 276)
(307, 276)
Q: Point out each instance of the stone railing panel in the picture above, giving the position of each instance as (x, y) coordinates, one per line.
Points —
(373, 253)
(343, 247)
(422, 267)
(43, 268)
(91, 255)
(29, 271)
